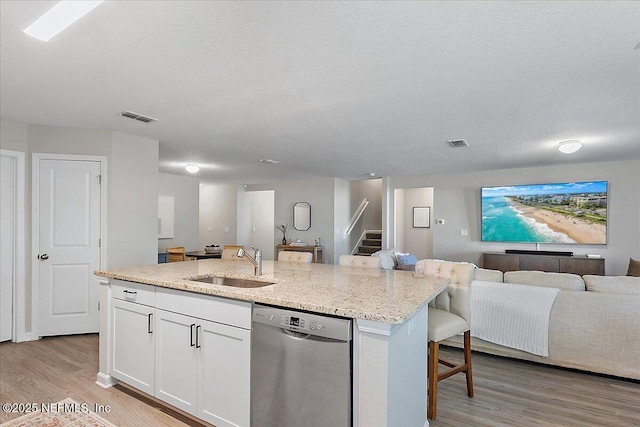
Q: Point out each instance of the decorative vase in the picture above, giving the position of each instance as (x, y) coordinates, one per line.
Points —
(284, 239)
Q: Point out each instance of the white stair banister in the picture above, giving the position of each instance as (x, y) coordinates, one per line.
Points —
(356, 216)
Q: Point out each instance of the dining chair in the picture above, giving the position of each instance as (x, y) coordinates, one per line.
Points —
(176, 254)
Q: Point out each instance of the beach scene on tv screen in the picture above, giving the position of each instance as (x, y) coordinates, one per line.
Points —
(546, 213)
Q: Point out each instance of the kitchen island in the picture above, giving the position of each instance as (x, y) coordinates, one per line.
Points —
(388, 308)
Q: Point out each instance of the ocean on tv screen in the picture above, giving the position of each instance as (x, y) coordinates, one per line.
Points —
(546, 213)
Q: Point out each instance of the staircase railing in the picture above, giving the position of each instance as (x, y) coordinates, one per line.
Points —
(356, 216)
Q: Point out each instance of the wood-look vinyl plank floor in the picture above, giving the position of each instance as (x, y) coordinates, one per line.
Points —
(52, 369)
(507, 392)
(515, 393)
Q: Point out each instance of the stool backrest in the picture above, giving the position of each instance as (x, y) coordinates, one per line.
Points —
(456, 298)
(293, 256)
(359, 261)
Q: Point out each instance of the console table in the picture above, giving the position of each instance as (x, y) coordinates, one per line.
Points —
(580, 265)
(315, 250)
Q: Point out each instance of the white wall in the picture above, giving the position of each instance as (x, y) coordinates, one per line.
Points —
(319, 193)
(456, 199)
(185, 191)
(341, 216)
(417, 241)
(132, 185)
(218, 207)
(132, 204)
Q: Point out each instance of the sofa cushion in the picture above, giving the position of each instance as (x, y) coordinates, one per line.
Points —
(487, 275)
(613, 284)
(567, 281)
(634, 268)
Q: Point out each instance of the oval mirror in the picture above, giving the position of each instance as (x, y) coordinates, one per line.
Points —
(302, 216)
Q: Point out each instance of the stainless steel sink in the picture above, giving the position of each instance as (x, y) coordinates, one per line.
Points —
(232, 281)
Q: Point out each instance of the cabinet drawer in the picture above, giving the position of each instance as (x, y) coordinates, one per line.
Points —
(134, 292)
(222, 310)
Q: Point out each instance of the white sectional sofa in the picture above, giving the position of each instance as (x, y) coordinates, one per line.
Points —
(594, 323)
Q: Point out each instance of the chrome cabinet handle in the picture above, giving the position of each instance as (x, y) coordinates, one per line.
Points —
(149, 317)
(43, 257)
(191, 327)
(198, 336)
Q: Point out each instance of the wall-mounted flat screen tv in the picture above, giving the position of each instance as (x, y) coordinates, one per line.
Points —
(566, 212)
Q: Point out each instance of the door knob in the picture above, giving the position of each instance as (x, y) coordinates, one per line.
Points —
(43, 257)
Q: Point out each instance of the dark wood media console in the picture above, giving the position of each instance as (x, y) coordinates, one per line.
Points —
(551, 263)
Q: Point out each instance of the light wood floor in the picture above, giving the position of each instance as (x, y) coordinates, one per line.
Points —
(507, 392)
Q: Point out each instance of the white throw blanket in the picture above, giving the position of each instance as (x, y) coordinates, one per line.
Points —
(512, 315)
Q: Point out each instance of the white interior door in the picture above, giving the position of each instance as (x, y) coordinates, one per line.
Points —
(7, 245)
(69, 248)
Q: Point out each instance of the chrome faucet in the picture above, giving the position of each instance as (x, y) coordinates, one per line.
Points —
(256, 259)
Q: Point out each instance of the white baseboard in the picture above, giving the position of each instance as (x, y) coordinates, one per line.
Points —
(24, 337)
(105, 381)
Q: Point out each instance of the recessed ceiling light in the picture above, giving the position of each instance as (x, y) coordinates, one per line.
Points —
(569, 146)
(372, 174)
(269, 161)
(191, 168)
(59, 17)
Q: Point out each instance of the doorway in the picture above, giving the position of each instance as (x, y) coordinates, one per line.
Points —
(256, 221)
(12, 260)
(68, 198)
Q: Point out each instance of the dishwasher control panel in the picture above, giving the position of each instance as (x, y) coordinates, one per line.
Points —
(306, 323)
(300, 323)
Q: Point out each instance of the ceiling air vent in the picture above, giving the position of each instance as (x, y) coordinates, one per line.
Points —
(458, 143)
(138, 117)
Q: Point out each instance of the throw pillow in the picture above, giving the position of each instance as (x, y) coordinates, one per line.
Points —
(634, 267)
(406, 259)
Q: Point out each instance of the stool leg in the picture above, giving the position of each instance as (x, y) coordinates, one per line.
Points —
(432, 365)
(467, 362)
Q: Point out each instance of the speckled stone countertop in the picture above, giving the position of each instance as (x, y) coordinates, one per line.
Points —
(384, 296)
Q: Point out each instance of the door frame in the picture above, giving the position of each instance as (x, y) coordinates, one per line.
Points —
(35, 224)
(18, 333)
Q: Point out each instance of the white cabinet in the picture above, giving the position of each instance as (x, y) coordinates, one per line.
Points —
(224, 359)
(176, 360)
(187, 349)
(133, 344)
(202, 367)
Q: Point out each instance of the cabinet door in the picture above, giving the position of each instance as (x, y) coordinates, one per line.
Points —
(501, 262)
(176, 360)
(132, 344)
(223, 374)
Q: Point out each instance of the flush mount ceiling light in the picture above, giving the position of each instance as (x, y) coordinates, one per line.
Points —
(191, 168)
(59, 17)
(269, 161)
(570, 146)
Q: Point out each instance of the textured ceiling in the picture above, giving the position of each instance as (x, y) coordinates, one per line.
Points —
(337, 89)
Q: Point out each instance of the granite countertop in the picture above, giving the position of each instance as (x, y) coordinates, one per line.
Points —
(391, 297)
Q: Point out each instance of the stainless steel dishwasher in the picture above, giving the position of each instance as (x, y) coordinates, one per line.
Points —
(300, 369)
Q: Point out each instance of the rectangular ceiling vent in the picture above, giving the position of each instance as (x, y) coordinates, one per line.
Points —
(138, 117)
(458, 143)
